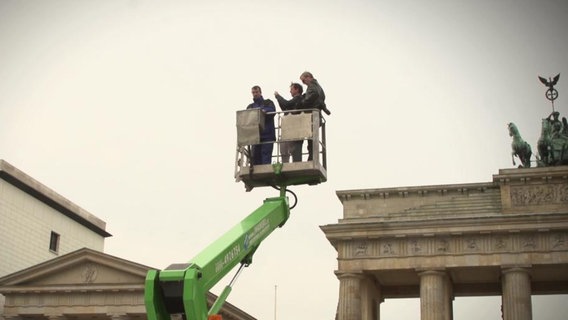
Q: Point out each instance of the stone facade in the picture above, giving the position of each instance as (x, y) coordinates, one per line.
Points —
(507, 237)
(30, 212)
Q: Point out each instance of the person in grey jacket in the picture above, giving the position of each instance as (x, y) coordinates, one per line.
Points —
(293, 148)
(315, 96)
(313, 99)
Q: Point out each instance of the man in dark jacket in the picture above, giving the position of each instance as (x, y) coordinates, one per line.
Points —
(262, 153)
(293, 148)
(313, 99)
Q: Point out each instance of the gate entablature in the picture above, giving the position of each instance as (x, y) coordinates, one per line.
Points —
(473, 238)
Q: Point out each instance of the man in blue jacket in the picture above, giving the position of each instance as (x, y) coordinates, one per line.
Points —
(262, 153)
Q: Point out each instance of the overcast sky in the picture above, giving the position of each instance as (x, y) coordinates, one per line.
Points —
(127, 108)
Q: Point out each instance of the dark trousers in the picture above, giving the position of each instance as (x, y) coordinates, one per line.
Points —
(310, 149)
(262, 153)
(297, 150)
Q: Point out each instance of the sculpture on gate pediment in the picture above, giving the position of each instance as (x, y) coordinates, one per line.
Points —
(520, 147)
(552, 144)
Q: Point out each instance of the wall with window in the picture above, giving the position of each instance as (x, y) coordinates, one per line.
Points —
(32, 232)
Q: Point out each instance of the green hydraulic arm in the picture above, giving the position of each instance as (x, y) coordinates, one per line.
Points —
(183, 288)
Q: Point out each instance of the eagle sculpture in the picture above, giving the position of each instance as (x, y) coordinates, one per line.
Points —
(550, 83)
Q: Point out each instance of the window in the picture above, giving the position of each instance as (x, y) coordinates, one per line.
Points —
(54, 242)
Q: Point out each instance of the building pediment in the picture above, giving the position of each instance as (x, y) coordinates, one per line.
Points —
(83, 269)
(84, 283)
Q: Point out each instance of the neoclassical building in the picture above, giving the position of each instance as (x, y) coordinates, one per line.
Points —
(52, 265)
(507, 237)
(38, 224)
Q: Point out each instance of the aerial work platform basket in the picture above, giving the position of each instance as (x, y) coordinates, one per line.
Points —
(289, 126)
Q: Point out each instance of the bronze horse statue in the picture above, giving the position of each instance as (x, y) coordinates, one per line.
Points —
(520, 147)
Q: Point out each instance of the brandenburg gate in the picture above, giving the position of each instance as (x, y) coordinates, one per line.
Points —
(507, 238)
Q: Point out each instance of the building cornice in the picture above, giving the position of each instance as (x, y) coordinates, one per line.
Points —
(366, 229)
(403, 192)
(531, 175)
(72, 288)
(51, 198)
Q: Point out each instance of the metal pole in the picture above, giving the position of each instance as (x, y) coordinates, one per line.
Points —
(275, 299)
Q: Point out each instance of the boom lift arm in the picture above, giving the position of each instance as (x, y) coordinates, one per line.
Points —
(182, 288)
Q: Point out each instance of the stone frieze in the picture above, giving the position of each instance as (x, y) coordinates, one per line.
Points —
(539, 195)
(455, 245)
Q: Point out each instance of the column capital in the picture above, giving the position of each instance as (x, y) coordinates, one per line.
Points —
(526, 268)
(432, 271)
(350, 274)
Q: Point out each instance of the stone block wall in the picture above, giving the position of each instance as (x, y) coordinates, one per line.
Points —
(25, 230)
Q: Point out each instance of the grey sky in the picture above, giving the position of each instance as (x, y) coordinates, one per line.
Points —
(127, 108)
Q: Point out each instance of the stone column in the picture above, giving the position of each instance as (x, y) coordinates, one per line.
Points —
(435, 295)
(349, 307)
(371, 299)
(449, 298)
(516, 299)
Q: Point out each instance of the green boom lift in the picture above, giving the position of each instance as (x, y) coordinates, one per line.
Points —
(182, 288)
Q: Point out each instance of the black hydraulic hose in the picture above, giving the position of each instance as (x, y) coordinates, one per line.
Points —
(292, 192)
(295, 198)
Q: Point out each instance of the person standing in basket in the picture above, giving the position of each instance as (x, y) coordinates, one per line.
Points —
(313, 99)
(262, 153)
(293, 148)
